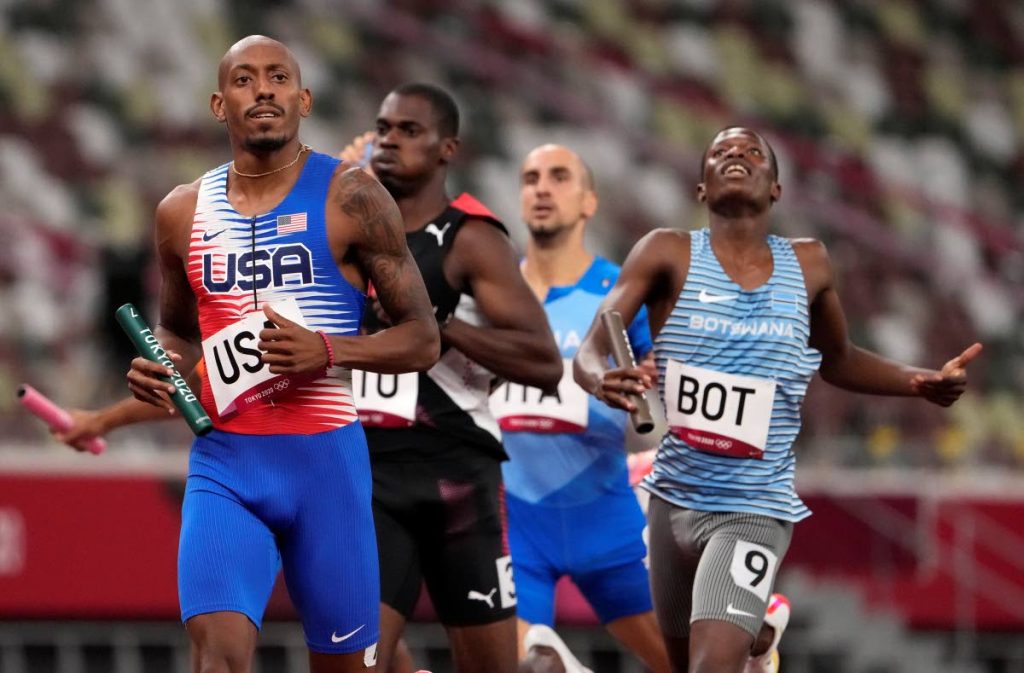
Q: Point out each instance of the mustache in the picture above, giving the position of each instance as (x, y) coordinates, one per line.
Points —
(252, 108)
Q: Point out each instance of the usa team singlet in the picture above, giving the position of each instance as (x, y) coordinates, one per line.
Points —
(734, 368)
(571, 510)
(284, 478)
(237, 264)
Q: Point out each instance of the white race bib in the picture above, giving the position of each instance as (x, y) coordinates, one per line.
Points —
(506, 583)
(716, 412)
(238, 377)
(520, 408)
(386, 400)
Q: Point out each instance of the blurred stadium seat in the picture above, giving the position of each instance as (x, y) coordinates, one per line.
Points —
(899, 127)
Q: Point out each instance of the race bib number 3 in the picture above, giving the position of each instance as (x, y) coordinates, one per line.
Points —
(386, 400)
(718, 413)
(506, 583)
(520, 408)
(238, 377)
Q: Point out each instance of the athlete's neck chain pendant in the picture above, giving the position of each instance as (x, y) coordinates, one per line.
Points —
(302, 148)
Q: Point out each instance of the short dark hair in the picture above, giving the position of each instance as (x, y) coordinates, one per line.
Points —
(446, 112)
(772, 161)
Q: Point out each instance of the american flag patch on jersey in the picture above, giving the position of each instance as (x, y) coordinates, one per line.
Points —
(289, 224)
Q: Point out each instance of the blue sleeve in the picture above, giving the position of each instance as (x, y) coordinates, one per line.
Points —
(640, 335)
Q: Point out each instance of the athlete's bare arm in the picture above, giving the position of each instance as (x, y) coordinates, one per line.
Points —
(848, 366)
(89, 423)
(367, 218)
(517, 344)
(178, 326)
(653, 274)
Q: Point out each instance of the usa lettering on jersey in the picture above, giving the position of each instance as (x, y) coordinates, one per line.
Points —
(282, 266)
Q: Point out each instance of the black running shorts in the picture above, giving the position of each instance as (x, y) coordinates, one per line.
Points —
(443, 522)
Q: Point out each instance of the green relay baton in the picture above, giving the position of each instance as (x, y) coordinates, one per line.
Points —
(145, 342)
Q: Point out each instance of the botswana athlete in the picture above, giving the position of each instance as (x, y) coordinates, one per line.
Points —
(741, 321)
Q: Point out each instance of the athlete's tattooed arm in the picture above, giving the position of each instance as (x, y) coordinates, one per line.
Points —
(379, 249)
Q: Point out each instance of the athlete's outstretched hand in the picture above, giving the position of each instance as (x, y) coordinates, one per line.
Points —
(946, 387)
(357, 151)
(619, 383)
(85, 425)
(290, 348)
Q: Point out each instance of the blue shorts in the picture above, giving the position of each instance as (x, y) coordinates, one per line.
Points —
(255, 503)
(599, 545)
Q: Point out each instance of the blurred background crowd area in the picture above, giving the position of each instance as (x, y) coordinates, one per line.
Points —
(899, 127)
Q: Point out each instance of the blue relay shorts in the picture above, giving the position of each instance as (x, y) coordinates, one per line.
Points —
(256, 503)
(599, 545)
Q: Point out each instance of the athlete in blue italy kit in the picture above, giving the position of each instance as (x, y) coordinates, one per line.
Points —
(571, 510)
(741, 321)
(264, 263)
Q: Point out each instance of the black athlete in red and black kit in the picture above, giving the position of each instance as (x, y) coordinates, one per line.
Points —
(434, 447)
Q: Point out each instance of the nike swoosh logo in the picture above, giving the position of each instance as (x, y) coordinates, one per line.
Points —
(207, 236)
(337, 639)
(706, 297)
(729, 609)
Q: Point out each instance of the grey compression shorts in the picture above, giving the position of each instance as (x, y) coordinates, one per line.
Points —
(712, 565)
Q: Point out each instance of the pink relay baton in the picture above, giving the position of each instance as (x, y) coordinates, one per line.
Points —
(54, 416)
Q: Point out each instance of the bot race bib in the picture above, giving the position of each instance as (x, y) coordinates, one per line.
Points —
(386, 400)
(238, 377)
(520, 408)
(719, 413)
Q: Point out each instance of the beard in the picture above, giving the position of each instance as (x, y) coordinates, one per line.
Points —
(265, 144)
(399, 186)
(549, 231)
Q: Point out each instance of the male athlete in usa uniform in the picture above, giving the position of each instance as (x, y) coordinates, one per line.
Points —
(264, 262)
(741, 321)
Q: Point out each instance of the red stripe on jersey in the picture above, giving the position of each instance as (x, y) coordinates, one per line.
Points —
(469, 205)
(318, 406)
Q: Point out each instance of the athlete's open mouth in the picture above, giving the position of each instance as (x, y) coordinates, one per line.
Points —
(265, 112)
(736, 168)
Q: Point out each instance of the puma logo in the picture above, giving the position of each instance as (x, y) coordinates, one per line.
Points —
(438, 233)
(486, 598)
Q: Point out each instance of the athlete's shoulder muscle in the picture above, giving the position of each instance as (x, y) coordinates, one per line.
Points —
(660, 261)
(479, 250)
(815, 264)
(174, 216)
(652, 276)
(363, 202)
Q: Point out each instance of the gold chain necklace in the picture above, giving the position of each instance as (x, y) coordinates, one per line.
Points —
(303, 148)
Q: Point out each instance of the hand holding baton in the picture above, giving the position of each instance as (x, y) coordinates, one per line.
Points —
(611, 319)
(145, 342)
(54, 416)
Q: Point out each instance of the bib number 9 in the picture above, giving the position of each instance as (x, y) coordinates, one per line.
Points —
(753, 568)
